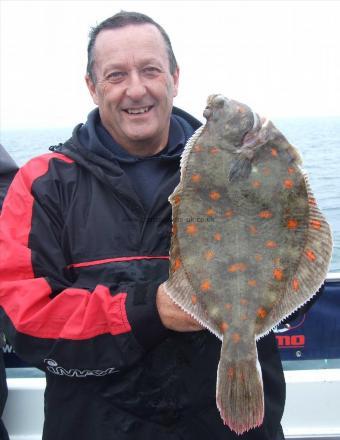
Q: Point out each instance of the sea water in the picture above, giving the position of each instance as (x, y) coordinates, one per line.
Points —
(317, 139)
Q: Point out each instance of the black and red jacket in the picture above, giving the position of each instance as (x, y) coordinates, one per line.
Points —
(80, 262)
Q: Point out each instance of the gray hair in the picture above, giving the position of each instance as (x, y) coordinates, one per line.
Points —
(119, 20)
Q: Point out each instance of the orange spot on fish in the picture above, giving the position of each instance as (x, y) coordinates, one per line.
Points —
(214, 195)
(218, 236)
(228, 306)
(315, 224)
(214, 150)
(235, 337)
(174, 229)
(256, 184)
(261, 312)
(274, 152)
(265, 214)
(205, 285)
(210, 212)
(258, 257)
(270, 244)
(252, 229)
(224, 326)
(229, 213)
(243, 302)
(291, 170)
(191, 229)
(193, 299)
(288, 183)
(177, 200)
(197, 148)
(292, 223)
(209, 255)
(230, 373)
(266, 171)
(240, 109)
(310, 255)
(196, 178)
(295, 284)
(278, 274)
(241, 376)
(177, 264)
(237, 267)
(252, 283)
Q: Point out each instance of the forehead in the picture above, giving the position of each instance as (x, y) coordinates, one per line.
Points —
(131, 43)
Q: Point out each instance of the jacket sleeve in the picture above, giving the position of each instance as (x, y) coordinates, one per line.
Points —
(50, 322)
(8, 168)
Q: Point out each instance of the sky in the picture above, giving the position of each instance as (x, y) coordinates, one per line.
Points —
(280, 57)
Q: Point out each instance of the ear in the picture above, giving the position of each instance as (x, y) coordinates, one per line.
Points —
(175, 78)
(92, 89)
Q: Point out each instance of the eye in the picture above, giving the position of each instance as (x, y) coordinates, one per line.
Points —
(115, 77)
(151, 71)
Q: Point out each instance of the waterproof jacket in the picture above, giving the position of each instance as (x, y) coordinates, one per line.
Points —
(81, 259)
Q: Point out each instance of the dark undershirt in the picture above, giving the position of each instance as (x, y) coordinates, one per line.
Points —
(147, 173)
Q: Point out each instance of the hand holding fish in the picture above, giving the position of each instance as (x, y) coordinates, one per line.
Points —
(172, 316)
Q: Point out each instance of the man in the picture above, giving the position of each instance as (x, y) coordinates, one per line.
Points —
(86, 235)
(8, 168)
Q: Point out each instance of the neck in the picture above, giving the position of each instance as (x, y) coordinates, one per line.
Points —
(141, 147)
(147, 147)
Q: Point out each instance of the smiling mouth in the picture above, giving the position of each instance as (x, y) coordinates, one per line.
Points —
(138, 111)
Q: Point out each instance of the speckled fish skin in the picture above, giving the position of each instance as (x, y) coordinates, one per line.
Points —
(249, 245)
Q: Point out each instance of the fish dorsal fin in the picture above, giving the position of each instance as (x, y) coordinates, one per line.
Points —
(184, 160)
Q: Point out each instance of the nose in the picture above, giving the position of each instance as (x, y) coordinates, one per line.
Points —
(136, 88)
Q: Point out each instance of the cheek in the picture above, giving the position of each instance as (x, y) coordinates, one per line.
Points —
(163, 89)
(172, 89)
(165, 94)
(108, 94)
(104, 93)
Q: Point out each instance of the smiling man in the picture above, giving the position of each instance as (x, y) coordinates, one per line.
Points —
(85, 236)
(131, 82)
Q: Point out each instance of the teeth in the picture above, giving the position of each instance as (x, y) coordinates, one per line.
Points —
(136, 111)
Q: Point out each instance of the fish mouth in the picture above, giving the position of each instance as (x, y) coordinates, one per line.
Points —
(207, 112)
(214, 101)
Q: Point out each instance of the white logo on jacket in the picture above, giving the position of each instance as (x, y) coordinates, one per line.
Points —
(53, 367)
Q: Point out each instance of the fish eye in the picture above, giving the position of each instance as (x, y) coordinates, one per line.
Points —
(219, 101)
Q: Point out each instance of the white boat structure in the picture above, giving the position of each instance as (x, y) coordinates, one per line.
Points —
(313, 379)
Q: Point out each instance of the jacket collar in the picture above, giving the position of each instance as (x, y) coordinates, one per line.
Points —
(93, 136)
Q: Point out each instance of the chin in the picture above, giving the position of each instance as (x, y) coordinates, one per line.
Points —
(141, 137)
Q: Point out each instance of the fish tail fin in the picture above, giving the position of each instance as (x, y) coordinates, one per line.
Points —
(239, 391)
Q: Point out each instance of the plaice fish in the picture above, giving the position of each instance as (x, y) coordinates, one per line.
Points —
(249, 244)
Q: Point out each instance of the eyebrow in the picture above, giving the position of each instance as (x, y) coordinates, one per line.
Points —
(122, 65)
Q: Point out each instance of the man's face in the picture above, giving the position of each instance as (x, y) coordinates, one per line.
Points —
(134, 88)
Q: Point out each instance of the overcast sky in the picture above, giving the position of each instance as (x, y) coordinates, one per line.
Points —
(280, 57)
